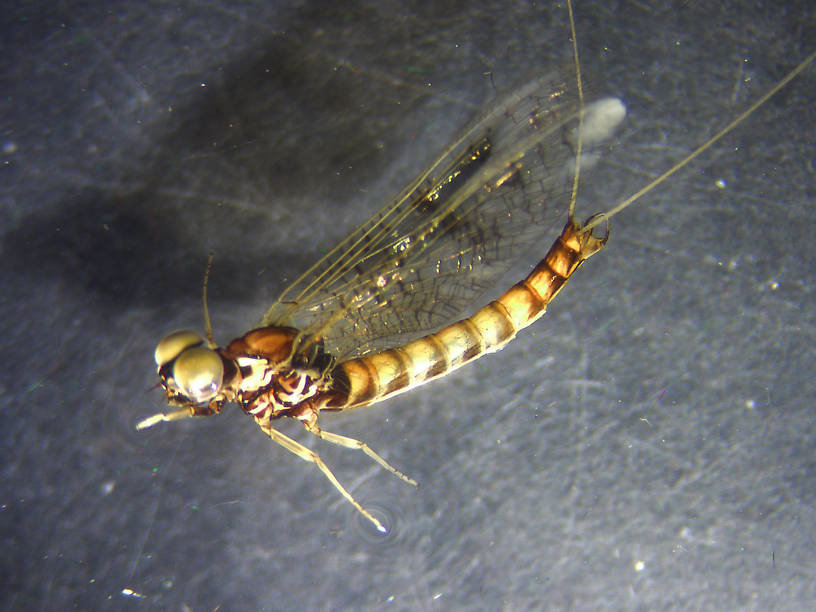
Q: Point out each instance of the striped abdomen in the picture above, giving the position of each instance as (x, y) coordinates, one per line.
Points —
(379, 376)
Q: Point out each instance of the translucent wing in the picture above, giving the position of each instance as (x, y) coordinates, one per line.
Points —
(422, 260)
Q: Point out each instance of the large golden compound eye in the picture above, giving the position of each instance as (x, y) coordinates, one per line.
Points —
(172, 345)
(198, 373)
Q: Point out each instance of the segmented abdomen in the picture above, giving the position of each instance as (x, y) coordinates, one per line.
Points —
(376, 377)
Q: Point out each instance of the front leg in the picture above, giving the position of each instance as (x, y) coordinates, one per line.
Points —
(188, 411)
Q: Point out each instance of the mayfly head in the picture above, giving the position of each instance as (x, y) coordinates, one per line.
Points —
(192, 376)
(190, 372)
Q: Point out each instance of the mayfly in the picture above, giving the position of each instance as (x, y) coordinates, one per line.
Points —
(383, 312)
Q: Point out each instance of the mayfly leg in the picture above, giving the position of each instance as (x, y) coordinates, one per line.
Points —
(309, 455)
(354, 444)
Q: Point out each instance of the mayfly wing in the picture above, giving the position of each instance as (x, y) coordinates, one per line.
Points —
(425, 257)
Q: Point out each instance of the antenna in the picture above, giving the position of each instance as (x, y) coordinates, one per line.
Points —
(207, 324)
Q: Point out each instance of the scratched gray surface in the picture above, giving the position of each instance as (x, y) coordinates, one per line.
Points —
(649, 444)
